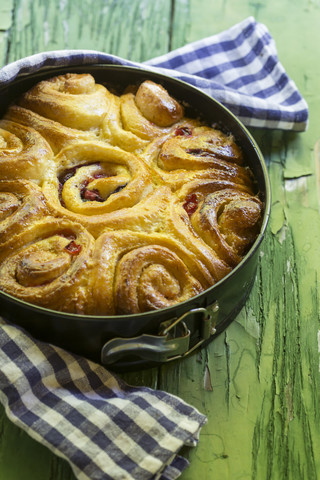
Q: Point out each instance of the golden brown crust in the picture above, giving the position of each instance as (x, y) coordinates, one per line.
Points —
(157, 106)
(24, 153)
(229, 222)
(193, 152)
(137, 272)
(136, 118)
(57, 135)
(118, 204)
(92, 180)
(217, 219)
(49, 265)
(21, 203)
(114, 132)
(74, 100)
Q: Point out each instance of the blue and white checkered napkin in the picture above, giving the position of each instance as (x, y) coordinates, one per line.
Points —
(104, 428)
(238, 67)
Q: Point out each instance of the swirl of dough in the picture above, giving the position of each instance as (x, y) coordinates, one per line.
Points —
(229, 222)
(185, 221)
(48, 264)
(196, 152)
(21, 202)
(201, 147)
(92, 180)
(147, 216)
(114, 132)
(24, 153)
(74, 100)
(136, 118)
(135, 272)
(56, 134)
(179, 227)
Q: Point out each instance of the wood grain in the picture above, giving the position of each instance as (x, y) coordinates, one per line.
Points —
(133, 29)
(259, 381)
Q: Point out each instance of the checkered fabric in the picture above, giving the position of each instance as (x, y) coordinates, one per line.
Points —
(104, 428)
(238, 67)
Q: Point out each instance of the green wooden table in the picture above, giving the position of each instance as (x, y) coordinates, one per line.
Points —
(259, 381)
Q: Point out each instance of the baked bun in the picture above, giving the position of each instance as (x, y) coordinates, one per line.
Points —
(21, 203)
(56, 134)
(74, 100)
(137, 117)
(48, 264)
(118, 203)
(137, 272)
(24, 153)
(92, 180)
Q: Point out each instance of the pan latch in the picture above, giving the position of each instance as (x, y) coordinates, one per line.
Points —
(177, 338)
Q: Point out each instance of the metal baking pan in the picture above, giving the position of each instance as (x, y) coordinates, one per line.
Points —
(152, 338)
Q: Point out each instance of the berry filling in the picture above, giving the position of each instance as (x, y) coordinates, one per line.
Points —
(73, 248)
(91, 195)
(191, 204)
(183, 131)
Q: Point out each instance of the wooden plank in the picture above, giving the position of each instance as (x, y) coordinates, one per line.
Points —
(133, 29)
(5, 24)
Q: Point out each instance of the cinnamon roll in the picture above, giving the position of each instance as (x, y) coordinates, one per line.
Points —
(21, 203)
(48, 264)
(229, 222)
(218, 220)
(57, 135)
(24, 153)
(136, 118)
(118, 203)
(136, 272)
(113, 130)
(91, 180)
(74, 100)
(196, 152)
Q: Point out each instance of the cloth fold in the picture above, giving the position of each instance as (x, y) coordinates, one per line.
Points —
(104, 428)
(238, 67)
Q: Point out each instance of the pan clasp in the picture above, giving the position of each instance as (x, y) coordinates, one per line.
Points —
(176, 339)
